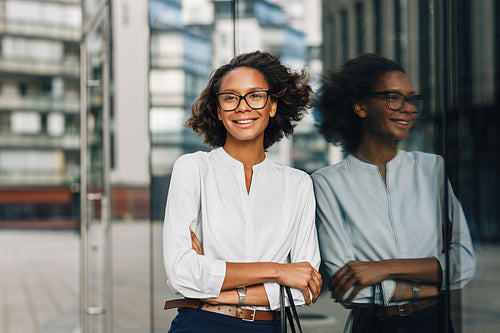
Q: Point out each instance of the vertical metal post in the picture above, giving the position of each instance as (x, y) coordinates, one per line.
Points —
(96, 25)
(235, 32)
(83, 187)
(106, 203)
(443, 62)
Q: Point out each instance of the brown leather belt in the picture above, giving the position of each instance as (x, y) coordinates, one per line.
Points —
(228, 310)
(398, 310)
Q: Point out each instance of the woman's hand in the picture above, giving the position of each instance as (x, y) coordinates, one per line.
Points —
(195, 243)
(356, 274)
(302, 276)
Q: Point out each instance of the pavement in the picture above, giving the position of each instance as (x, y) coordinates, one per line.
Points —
(39, 286)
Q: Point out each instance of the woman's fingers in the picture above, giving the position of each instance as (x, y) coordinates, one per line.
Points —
(315, 285)
(339, 279)
(307, 296)
(356, 275)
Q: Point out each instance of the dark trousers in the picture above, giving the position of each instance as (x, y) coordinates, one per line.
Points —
(430, 320)
(199, 321)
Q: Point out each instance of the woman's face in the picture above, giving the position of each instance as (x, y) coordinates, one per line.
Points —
(245, 123)
(382, 123)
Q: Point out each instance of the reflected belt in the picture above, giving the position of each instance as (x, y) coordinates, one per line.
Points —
(398, 310)
(227, 310)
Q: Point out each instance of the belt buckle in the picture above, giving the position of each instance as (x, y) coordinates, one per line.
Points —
(252, 315)
(401, 311)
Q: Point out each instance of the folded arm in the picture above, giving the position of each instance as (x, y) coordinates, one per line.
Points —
(296, 275)
(356, 275)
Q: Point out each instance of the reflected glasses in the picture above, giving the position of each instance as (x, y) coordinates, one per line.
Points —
(395, 100)
(256, 99)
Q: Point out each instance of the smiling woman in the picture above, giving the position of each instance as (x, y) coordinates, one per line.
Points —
(237, 225)
(380, 209)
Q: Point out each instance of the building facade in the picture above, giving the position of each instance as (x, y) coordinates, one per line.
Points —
(39, 109)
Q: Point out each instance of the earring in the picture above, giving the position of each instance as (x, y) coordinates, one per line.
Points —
(362, 114)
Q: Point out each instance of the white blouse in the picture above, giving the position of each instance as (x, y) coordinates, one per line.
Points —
(361, 218)
(273, 222)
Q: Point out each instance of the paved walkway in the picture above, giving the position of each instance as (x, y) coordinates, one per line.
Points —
(39, 285)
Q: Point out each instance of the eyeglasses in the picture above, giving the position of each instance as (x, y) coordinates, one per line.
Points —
(256, 99)
(395, 100)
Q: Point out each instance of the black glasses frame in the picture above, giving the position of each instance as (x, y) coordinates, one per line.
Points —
(414, 100)
(240, 97)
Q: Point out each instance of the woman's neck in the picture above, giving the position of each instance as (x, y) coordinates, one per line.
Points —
(376, 152)
(248, 153)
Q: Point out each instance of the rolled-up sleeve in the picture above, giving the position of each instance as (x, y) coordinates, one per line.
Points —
(190, 274)
(461, 252)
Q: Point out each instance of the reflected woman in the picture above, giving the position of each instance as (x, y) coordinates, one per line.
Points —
(379, 210)
(238, 224)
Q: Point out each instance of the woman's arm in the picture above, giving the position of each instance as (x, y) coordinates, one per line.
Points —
(296, 275)
(255, 296)
(361, 274)
(404, 291)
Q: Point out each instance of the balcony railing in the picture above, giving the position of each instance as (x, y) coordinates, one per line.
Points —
(70, 66)
(67, 141)
(39, 30)
(39, 103)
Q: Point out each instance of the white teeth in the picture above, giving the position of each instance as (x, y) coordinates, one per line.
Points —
(244, 121)
(402, 122)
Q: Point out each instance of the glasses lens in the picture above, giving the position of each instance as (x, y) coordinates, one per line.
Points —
(256, 99)
(228, 101)
(395, 101)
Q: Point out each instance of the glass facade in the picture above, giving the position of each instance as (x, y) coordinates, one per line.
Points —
(93, 99)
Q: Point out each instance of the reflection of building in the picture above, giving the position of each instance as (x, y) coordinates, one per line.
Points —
(180, 63)
(39, 107)
(309, 150)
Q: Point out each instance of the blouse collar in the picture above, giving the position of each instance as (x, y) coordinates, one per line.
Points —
(234, 162)
(392, 163)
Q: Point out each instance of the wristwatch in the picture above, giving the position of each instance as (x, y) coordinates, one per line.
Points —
(415, 290)
(242, 291)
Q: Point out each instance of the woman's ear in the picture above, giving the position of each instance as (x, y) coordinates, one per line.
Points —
(274, 106)
(359, 109)
(218, 114)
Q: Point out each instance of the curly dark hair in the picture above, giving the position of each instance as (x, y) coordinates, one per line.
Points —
(341, 88)
(291, 90)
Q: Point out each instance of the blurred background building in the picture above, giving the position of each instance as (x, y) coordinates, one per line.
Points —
(39, 111)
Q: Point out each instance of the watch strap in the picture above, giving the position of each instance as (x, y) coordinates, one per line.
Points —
(415, 290)
(242, 291)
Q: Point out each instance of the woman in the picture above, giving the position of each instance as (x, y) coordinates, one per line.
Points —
(237, 224)
(379, 210)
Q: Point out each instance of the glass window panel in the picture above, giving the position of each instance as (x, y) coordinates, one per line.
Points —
(26, 122)
(55, 124)
(166, 120)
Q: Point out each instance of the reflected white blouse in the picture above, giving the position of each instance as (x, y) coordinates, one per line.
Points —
(361, 218)
(275, 221)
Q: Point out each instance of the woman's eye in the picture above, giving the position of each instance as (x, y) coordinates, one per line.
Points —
(229, 98)
(256, 96)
